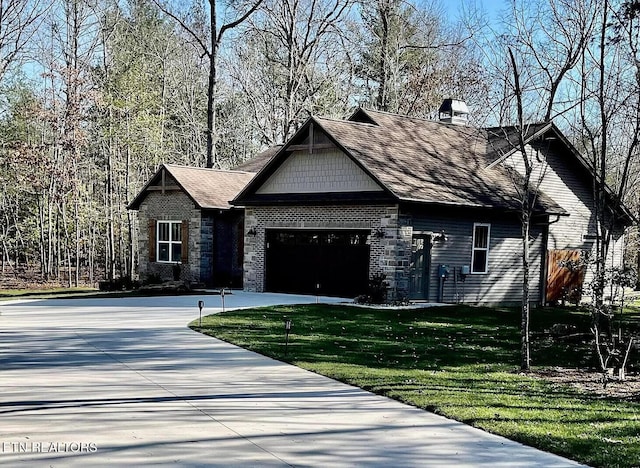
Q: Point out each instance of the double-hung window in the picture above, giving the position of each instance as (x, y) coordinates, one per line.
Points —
(169, 241)
(480, 249)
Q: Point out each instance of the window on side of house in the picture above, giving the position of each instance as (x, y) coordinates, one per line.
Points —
(480, 248)
(169, 241)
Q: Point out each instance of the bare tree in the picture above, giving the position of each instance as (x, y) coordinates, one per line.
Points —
(551, 36)
(610, 130)
(208, 40)
(291, 63)
(19, 21)
(527, 186)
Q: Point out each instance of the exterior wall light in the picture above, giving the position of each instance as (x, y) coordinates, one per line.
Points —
(440, 237)
(379, 233)
(252, 232)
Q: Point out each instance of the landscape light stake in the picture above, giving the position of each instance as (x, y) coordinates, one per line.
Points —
(200, 306)
(287, 330)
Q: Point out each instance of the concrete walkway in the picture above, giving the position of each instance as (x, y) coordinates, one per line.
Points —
(96, 382)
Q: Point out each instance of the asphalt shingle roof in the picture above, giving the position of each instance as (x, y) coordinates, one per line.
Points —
(427, 161)
(260, 160)
(208, 188)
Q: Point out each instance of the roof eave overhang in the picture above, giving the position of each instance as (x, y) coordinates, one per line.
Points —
(478, 206)
(225, 208)
(335, 198)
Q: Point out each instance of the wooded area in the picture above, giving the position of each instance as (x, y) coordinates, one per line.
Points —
(95, 94)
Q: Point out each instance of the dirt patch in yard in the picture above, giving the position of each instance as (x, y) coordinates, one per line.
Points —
(591, 382)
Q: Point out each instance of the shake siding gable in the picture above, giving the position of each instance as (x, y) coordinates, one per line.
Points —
(323, 171)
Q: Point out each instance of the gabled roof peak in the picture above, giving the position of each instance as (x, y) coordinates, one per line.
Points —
(207, 188)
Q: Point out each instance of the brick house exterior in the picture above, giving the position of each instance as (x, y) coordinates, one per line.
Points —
(191, 205)
(388, 251)
(431, 207)
(435, 201)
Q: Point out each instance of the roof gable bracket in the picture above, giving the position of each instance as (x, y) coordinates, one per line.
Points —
(311, 145)
(163, 187)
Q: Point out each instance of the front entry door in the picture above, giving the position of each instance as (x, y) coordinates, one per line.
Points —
(419, 268)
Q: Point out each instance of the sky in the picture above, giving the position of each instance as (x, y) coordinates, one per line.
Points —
(492, 7)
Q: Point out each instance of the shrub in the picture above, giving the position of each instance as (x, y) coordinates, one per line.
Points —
(376, 291)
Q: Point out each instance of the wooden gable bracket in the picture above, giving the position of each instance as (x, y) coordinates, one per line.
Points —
(311, 145)
(163, 187)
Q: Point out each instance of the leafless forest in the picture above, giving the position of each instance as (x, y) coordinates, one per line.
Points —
(95, 94)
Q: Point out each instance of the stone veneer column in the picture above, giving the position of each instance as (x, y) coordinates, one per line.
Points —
(253, 251)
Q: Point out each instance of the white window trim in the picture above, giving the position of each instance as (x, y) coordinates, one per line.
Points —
(170, 241)
(474, 248)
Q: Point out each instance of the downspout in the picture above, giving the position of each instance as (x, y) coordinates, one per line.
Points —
(544, 266)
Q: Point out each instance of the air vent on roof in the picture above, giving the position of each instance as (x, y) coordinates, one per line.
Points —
(453, 111)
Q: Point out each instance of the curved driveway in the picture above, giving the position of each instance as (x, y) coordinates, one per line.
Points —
(96, 382)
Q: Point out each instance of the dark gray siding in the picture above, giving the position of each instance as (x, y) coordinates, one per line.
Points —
(503, 282)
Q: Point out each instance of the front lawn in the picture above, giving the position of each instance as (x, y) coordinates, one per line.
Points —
(458, 361)
(38, 293)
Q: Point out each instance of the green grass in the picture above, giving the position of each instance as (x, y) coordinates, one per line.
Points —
(459, 362)
(79, 293)
(9, 294)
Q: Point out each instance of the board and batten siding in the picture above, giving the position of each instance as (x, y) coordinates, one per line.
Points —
(503, 281)
(324, 170)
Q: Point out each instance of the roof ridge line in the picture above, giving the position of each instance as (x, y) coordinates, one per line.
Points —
(208, 169)
(331, 119)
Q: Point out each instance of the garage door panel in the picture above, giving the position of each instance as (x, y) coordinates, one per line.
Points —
(287, 268)
(298, 261)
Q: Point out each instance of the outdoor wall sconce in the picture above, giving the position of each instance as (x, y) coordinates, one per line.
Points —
(379, 233)
(440, 237)
(252, 232)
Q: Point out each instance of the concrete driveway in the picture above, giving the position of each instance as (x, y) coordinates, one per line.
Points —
(124, 382)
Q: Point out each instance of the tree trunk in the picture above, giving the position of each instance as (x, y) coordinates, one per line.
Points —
(211, 90)
(526, 308)
(383, 65)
